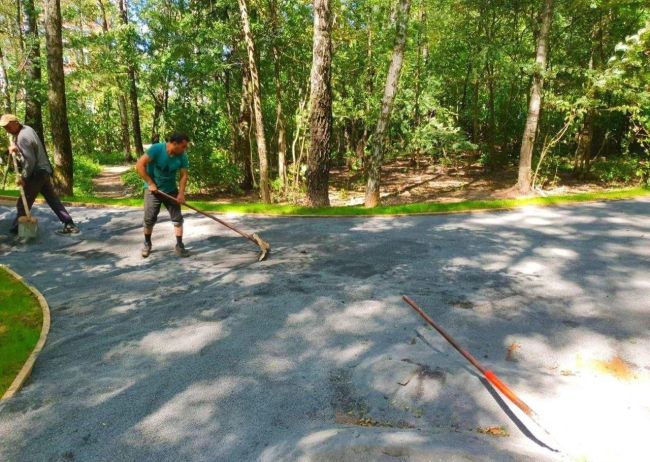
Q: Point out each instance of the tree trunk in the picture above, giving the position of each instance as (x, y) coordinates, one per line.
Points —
(63, 176)
(476, 126)
(491, 115)
(19, 26)
(463, 102)
(124, 127)
(582, 162)
(159, 96)
(534, 106)
(417, 116)
(583, 151)
(121, 99)
(282, 134)
(265, 187)
(135, 112)
(33, 105)
(242, 143)
(133, 88)
(390, 90)
(4, 85)
(230, 112)
(158, 108)
(362, 141)
(320, 118)
(418, 70)
(279, 116)
(102, 10)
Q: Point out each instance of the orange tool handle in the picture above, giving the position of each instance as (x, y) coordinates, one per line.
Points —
(503, 388)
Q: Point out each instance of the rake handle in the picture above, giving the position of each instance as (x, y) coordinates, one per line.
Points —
(22, 190)
(488, 374)
(447, 337)
(507, 392)
(4, 178)
(205, 214)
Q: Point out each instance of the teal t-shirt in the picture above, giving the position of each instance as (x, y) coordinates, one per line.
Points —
(163, 168)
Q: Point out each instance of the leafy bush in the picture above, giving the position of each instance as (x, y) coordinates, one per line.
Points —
(85, 169)
(438, 139)
(438, 135)
(132, 182)
(623, 169)
(643, 172)
(212, 170)
(552, 169)
(108, 158)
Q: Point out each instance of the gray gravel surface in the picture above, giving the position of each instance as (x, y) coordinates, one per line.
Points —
(311, 355)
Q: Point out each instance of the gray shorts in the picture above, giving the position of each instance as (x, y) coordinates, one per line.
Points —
(152, 204)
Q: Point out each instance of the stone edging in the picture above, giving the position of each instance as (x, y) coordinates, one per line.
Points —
(26, 370)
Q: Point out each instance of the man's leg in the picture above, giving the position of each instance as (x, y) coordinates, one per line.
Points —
(176, 216)
(180, 249)
(52, 199)
(32, 187)
(151, 210)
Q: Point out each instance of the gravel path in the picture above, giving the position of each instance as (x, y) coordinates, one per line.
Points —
(311, 355)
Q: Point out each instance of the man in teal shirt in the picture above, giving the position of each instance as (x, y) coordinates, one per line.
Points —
(159, 168)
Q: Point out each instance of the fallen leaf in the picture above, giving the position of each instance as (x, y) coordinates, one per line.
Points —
(510, 352)
(615, 366)
(493, 431)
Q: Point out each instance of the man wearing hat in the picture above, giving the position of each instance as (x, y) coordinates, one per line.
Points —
(37, 171)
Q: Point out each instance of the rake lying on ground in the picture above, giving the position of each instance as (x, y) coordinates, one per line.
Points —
(488, 374)
(264, 246)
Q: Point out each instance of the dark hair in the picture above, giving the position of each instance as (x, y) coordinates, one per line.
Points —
(178, 137)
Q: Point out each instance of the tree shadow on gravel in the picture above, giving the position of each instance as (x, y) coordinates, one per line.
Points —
(218, 357)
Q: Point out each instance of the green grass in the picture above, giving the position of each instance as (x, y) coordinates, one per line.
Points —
(20, 327)
(408, 209)
(85, 169)
(107, 158)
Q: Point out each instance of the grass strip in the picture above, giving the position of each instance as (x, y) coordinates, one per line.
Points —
(359, 210)
(20, 327)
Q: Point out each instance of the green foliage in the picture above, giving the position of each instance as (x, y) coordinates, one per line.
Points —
(622, 170)
(132, 182)
(212, 170)
(85, 169)
(552, 169)
(438, 138)
(108, 158)
(464, 85)
(436, 131)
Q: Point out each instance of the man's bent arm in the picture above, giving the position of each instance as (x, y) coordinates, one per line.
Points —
(183, 183)
(141, 168)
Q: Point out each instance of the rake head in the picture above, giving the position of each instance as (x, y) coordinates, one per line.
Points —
(264, 246)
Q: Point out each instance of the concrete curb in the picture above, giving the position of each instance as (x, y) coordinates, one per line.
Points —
(26, 370)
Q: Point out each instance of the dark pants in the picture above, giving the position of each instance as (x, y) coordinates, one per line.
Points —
(152, 203)
(40, 182)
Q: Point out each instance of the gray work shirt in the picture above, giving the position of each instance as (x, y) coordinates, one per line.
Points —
(33, 152)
